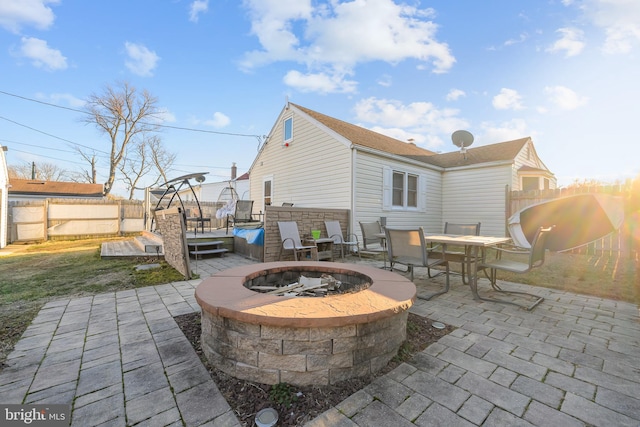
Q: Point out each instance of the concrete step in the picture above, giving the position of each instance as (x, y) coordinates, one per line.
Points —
(205, 244)
(199, 248)
(220, 251)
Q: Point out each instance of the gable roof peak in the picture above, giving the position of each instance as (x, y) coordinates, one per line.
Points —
(364, 137)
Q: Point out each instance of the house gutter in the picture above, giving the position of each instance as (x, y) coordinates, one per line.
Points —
(480, 165)
(397, 158)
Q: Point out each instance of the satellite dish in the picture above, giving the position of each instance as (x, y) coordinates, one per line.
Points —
(200, 178)
(462, 138)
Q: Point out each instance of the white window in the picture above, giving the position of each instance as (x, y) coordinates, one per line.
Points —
(398, 189)
(530, 183)
(288, 129)
(403, 190)
(412, 191)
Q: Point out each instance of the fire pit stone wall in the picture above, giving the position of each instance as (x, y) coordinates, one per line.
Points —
(302, 340)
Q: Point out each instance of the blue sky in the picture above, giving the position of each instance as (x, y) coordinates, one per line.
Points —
(564, 72)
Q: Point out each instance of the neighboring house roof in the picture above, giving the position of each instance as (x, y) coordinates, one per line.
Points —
(53, 188)
(365, 137)
(243, 177)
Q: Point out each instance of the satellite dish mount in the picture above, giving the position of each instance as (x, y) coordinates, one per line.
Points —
(462, 139)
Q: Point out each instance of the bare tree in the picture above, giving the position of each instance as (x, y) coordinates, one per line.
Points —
(162, 159)
(135, 165)
(87, 176)
(41, 171)
(145, 155)
(125, 115)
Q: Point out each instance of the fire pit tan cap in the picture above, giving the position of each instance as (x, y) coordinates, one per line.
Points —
(225, 295)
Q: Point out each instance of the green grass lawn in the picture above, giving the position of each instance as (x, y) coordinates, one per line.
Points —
(601, 275)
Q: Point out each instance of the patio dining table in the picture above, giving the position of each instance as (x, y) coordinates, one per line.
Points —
(472, 246)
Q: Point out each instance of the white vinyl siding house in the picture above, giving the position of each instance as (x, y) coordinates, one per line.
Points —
(328, 163)
(530, 173)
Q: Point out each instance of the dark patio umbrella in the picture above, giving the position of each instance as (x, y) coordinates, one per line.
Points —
(578, 220)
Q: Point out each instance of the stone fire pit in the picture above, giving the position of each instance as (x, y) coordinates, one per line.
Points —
(302, 340)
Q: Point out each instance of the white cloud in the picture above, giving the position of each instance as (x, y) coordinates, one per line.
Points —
(271, 22)
(41, 55)
(455, 94)
(508, 99)
(620, 20)
(565, 98)
(319, 82)
(505, 131)
(341, 35)
(196, 8)
(14, 14)
(521, 39)
(67, 98)
(142, 61)
(570, 42)
(422, 121)
(219, 120)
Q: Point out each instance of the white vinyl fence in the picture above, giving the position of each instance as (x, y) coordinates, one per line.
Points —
(63, 219)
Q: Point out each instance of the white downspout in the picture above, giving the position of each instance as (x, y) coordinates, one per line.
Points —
(354, 181)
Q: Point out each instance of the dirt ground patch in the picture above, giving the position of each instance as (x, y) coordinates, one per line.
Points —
(295, 404)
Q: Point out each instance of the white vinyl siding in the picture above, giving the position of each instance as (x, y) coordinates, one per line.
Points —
(313, 171)
(477, 195)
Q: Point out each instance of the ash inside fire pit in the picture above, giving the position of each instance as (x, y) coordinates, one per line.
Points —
(308, 283)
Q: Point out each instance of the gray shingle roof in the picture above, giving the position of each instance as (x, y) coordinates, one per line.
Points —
(358, 135)
(501, 151)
